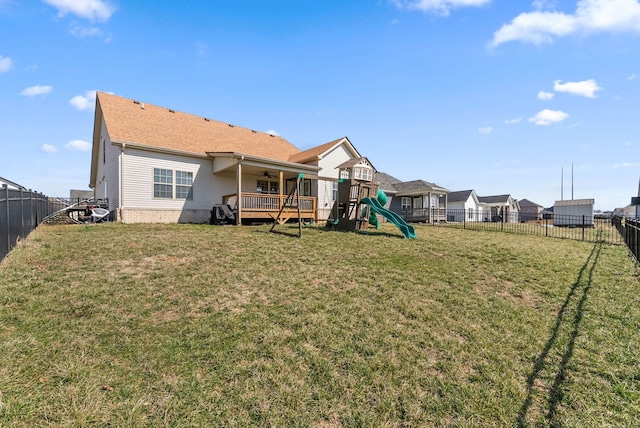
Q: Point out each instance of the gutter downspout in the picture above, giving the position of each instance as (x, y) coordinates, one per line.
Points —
(121, 185)
(239, 190)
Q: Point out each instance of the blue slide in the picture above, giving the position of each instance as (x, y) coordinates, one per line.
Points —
(406, 229)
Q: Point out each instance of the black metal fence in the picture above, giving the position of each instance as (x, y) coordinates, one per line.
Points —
(20, 212)
(630, 231)
(580, 227)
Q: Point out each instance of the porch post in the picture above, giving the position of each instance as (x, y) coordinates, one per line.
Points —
(239, 191)
(281, 187)
(446, 202)
(430, 208)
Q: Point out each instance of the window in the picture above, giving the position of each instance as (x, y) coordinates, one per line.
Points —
(417, 202)
(104, 151)
(406, 203)
(305, 188)
(163, 184)
(184, 185)
(265, 186)
(361, 173)
(470, 211)
(335, 191)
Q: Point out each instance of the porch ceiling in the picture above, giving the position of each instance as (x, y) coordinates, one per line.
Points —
(227, 162)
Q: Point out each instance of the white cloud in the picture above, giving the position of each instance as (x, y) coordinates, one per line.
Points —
(545, 95)
(634, 76)
(626, 165)
(94, 10)
(32, 91)
(543, 4)
(586, 88)
(84, 102)
(513, 121)
(81, 32)
(442, 7)
(6, 64)
(547, 117)
(486, 130)
(591, 16)
(48, 148)
(272, 132)
(78, 145)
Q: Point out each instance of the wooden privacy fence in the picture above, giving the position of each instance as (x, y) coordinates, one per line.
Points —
(20, 212)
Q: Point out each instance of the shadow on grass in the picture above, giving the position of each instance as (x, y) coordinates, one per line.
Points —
(575, 301)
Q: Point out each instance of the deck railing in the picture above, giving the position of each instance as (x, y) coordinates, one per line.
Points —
(422, 214)
(269, 203)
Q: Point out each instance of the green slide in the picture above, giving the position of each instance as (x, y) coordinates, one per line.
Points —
(406, 229)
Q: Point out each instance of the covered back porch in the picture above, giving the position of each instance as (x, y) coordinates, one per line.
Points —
(265, 188)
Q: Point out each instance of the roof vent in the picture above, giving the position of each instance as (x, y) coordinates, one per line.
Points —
(271, 135)
(171, 111)
(136, 102)
(207, 119)
(230, 125)
(253, 131)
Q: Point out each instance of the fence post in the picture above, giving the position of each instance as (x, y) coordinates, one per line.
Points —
(22, 234)
(583, 224)
(635, 241)
(464, 219)
(6, 191)
(546, 225)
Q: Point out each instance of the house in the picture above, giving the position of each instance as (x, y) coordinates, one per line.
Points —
(155, 164)
(573, 212)
(633, 209)
(416, 200)
(499, 208)
(529, 211)
(10, 184)
(464, 205)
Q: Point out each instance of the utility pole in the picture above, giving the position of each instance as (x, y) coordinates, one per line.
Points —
(562, 183)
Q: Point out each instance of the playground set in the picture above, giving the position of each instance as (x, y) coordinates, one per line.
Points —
(358, 204)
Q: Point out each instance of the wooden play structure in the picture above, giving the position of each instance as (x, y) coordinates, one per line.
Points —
(357, 205)
(348, 212)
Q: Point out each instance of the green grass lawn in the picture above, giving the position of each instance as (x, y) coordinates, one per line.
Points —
(196, 325)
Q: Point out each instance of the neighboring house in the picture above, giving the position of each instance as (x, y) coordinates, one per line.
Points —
(464, 205)
(619, 212)
(386, 183)
(631, 211)
(10, 184)
(155, 164)
(573, 212)
(499, 208)
(529, 210)
(416, 200)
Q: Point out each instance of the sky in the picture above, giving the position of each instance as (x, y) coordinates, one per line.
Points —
(537, 99)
